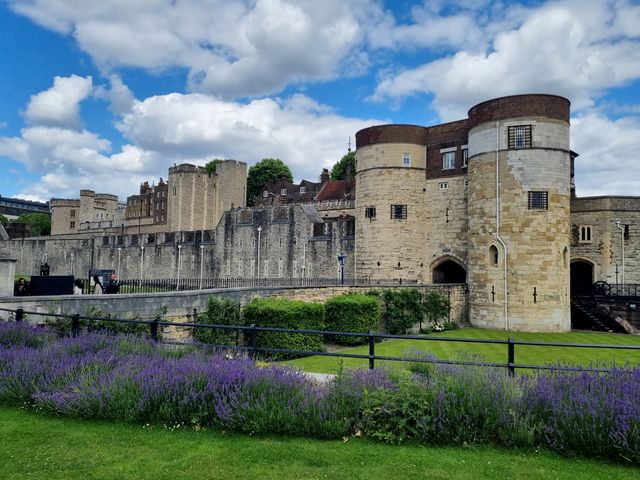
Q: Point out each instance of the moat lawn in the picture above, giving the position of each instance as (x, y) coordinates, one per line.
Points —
(40, 447)
(524, 354)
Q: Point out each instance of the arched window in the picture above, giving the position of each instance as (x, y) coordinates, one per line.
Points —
(493, 255)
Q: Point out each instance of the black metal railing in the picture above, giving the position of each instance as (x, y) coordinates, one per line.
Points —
(132, 285)
(604, 289)
(250, 345)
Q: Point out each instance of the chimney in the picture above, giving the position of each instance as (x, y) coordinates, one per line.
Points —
(324, 176)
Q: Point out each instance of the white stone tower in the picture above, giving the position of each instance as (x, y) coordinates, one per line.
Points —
(519, 227)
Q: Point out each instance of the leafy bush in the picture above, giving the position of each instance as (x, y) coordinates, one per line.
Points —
(401, 310)
(220, 311)
(352, 313)
(283, 313)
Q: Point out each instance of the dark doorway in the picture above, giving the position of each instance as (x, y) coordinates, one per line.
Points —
(581, 277)
(449, 272)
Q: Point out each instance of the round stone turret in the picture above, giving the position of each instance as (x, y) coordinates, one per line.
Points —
(390, 206)
(519, 171)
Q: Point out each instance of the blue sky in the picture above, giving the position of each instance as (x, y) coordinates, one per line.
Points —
(104, 95)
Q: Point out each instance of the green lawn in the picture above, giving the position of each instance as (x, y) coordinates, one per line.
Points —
(40, 447)
(493, 353)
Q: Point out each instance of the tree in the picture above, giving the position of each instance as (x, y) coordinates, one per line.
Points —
(339, 169)
(435, 306)
(211, 165)
(266, 170)
(39, 223)
(4, 220)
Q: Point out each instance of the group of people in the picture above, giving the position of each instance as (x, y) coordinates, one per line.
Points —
(21, 288)
(112, 285)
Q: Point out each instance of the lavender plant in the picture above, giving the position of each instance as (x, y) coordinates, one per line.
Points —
(132, 379)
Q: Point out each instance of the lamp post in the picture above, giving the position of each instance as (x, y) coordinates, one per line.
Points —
(258, 265)
(179, 265)
(141, 264)
(621, 228)
(118, 268)
(201, 263)
(341, 258)
(71, 263)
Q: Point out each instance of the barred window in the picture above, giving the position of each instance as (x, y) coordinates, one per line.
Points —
(538, 200)
(519, 136)
(443, 185)
(370, 212)
(465, 157)
(399, 211)
(406, 159)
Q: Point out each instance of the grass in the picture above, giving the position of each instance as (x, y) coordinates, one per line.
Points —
(493, 353)
(40, 447)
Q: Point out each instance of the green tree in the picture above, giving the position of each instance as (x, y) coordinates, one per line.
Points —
(435, 306)
(211, 165)
(4, 220)
(339, 169)
(266, 170)
(39, 223)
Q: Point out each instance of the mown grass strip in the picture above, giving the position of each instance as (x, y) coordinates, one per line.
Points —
(41, 447)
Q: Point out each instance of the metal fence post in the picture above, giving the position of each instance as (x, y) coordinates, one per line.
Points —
(512, 356)
(19, 314)
(75, 325)
(253, 340)
(372, 350)
(154, 330)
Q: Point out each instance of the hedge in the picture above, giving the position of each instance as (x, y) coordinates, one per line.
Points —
(352, 313)
(220, 311)
(283, 313)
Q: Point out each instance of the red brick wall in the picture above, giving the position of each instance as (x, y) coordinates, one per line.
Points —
(535, 105)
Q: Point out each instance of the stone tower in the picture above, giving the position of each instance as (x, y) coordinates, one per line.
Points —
(197, 199)
(518, 205)
(390, 204)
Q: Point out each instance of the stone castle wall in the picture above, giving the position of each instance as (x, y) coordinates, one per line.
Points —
(179, 306)
(290, 246)
(447, 222)
(603, 248)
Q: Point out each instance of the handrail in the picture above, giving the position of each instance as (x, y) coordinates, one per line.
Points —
(253, 348)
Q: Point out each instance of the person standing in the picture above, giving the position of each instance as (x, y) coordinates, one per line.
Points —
(78, 287)
(97, 287)
(112, 286)
(21, 289)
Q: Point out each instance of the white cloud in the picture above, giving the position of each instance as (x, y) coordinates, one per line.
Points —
(196, 127)
(572, 48)
(119, 96)
(606, 164)
(59, 105)
(167, 129)
(230, 49)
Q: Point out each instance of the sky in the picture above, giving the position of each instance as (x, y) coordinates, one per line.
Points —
(105, 95)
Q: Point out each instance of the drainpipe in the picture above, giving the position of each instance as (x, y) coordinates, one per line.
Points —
(621, 228)
(498, 238)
